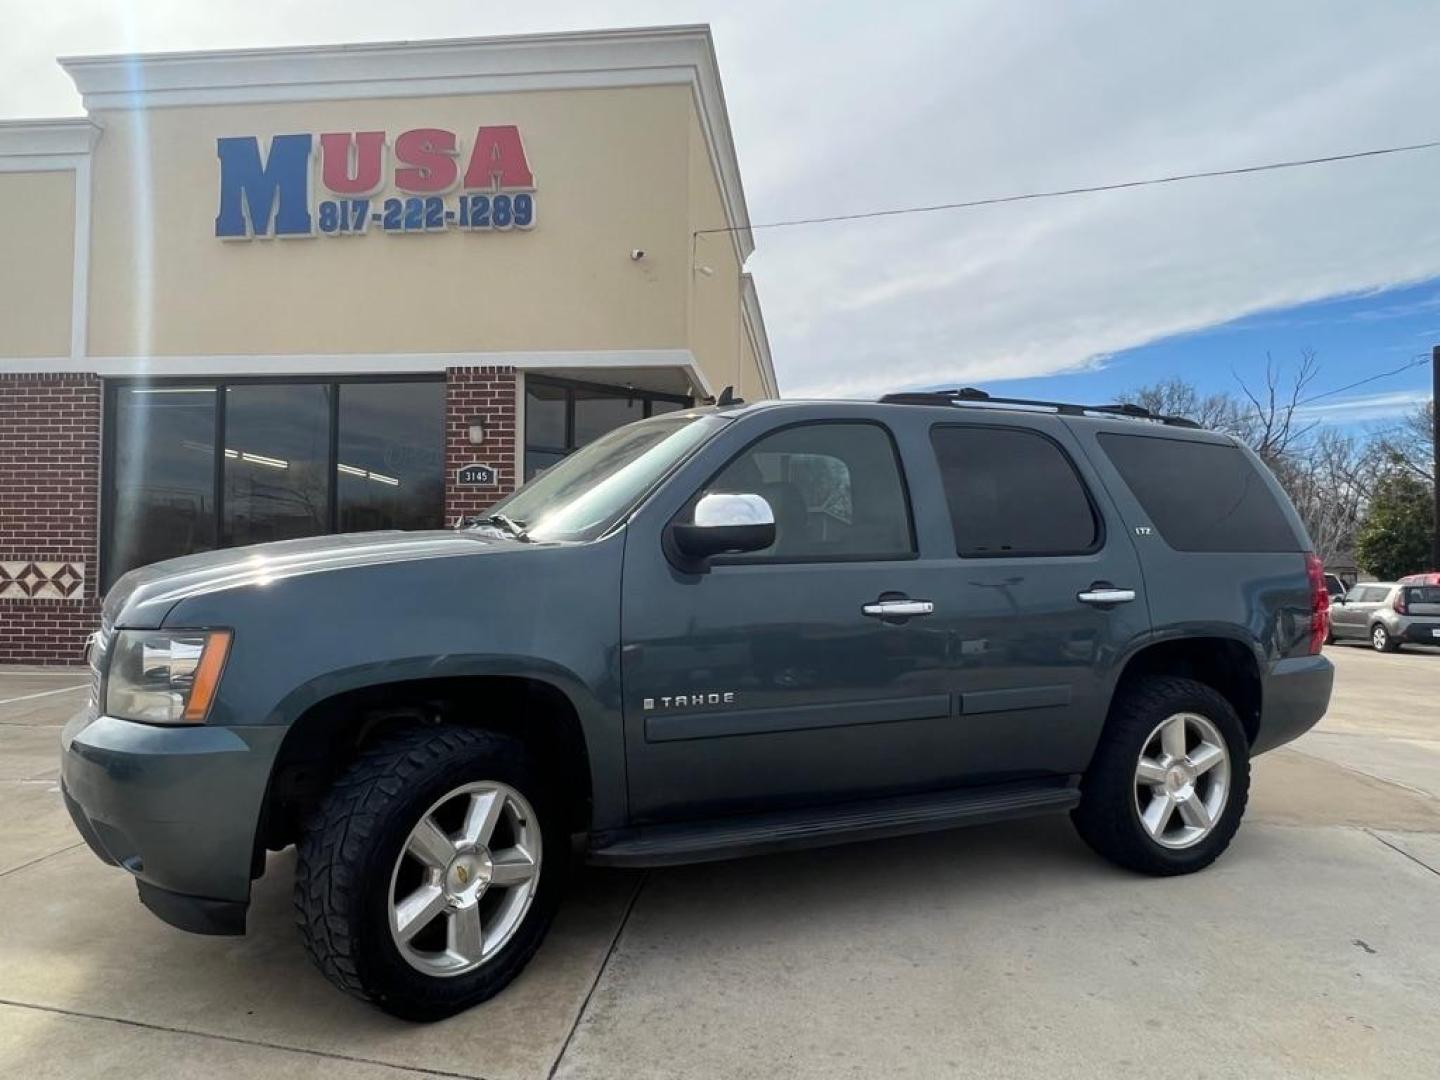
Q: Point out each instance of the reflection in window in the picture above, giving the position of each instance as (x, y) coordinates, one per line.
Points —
(835, 490)
(545, 415)
(164, 474)
(299, 459)
(390, 465)
(599, 411)
(277, 450)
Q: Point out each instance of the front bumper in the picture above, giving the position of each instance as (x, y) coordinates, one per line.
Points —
(1294, 696)
(176, 807)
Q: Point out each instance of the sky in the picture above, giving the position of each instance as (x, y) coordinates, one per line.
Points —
(842, 107)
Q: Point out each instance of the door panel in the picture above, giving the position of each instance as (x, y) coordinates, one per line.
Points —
(1027, 536)
(762, 686)
(760, 681)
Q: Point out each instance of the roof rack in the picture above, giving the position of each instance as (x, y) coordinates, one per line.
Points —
(972, 395)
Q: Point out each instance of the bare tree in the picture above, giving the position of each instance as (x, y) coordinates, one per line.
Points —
(1273, 419)
(1326, 473)
(1329, 478)
(1409, 443)
(1176, 397)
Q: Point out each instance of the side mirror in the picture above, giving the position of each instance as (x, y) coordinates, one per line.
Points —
(726, 524)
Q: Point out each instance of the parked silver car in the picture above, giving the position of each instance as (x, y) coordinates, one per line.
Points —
(1387, 614)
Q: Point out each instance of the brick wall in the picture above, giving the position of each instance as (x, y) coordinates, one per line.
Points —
(488, 393)
(49, 499)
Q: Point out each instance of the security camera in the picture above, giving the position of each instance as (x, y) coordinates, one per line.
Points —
(637, 254)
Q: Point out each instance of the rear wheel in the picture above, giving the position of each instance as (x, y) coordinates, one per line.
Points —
(1169, 780)
(1380, 639)
(431, 872)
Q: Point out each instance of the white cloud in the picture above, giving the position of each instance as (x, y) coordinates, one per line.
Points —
(1380, 406)
(839, 107)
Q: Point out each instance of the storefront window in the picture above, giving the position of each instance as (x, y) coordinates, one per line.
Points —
(164, 448)
(561, 416)
(277, 450)
(299, 459)
(599, 411)
(391, 459)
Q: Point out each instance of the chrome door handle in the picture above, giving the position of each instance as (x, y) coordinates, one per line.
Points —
(1106, 596)
(895, 609)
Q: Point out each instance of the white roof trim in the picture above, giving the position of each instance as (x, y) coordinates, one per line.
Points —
(673, 55)
(47, 139)
(210, 366)
(754, 320)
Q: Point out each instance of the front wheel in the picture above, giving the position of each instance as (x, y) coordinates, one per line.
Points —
(1380, 639)
(431, 872)
(1167, 787)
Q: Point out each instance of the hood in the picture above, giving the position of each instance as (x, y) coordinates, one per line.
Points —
(145, 595)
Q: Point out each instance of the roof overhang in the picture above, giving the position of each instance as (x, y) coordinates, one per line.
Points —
(46, 139)
(654, 56)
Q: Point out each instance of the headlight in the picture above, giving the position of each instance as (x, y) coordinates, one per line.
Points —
(164, 676)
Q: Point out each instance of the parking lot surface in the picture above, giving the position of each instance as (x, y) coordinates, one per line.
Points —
(1308, 950)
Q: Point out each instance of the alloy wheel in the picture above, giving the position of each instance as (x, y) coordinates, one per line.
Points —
(1182, 780)
(1379, 638)
(464, 878)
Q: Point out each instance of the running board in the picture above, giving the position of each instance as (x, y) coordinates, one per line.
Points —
(754, 834)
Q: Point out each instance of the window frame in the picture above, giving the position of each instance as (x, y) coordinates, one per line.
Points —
(687, 508)
(647, 398)
(109, 464)
(1097, 515)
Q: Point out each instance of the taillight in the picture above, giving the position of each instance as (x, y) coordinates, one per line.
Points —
(1319, 602)
(1399, 603)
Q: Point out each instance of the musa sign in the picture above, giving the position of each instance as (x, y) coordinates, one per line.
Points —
(271, 193)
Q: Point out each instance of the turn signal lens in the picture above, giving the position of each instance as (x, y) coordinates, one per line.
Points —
(165, 676)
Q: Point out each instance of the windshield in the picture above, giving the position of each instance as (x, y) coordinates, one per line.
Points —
(583, 495)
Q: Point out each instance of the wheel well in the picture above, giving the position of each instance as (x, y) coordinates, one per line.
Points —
(328, 736)
(1226, 665)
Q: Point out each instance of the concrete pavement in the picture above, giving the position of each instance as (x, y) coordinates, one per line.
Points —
(1308, 950)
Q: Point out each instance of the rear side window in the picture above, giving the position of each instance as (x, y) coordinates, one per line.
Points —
(1012, 492)
(1201, 496)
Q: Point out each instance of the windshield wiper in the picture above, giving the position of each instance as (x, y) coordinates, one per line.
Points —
(509, 524)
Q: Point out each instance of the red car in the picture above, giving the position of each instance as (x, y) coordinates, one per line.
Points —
(1429, 577)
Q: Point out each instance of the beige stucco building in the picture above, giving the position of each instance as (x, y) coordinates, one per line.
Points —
(261, 294)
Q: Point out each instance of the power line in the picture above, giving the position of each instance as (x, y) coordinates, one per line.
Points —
(1419, 360)
(1066, 192)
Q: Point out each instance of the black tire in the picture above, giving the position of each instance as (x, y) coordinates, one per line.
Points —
(1381, 639)
(350, 847)
(1108, 818)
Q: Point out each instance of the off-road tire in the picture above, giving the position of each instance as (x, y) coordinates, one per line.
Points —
(1107, 817)
(349, 849)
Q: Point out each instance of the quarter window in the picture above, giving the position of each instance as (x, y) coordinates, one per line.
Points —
(835, 489)
(1012, 492)
(1202, 496)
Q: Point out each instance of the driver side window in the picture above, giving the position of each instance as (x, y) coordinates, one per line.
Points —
(835, 490)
